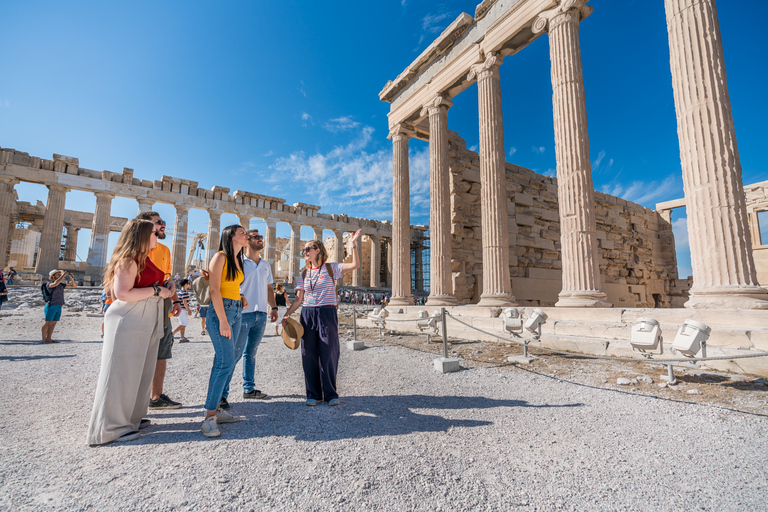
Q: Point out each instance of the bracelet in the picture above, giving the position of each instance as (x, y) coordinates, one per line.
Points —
(274, 309)
(178, 302)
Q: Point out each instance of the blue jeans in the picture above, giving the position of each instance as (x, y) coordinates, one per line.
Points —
(224, 348)
(251, 332)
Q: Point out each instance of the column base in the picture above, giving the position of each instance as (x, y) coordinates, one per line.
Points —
(731, 297)
(401, 301)
(500, 300)
(583, 299)
(441, 300)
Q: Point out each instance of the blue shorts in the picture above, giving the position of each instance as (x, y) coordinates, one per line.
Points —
(52, 313)
(203, 311)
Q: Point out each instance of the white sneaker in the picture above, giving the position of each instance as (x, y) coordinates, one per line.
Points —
(223, 416)
(209, 427)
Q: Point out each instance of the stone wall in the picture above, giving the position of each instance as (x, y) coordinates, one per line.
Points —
(636, 246)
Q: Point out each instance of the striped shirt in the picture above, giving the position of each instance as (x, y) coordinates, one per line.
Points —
(320, 290)
(183, 295)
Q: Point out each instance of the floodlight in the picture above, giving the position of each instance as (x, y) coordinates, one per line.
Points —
(534, 322)
(377, 316)
(691, 338)
(646, 336)
(428, 322)
(512, 320)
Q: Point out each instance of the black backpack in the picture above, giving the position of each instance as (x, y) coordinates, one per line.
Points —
(47, 294)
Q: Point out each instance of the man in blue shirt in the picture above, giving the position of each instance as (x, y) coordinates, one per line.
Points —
(260, 296)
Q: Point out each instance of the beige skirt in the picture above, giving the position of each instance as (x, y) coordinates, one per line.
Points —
(132, 332)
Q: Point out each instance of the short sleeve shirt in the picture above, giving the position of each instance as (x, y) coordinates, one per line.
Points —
(161, 257)
(319, 288)
(57, 294)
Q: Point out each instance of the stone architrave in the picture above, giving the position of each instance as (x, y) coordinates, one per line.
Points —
(401, 218)
(145, 204)
(724, 274)
(271, 241)
(97, 249)
(294, 263)
(375, 262)
(179, 249)
(53, 226)
(7, 200)
(245, 221)
(214, 234)
(497, 285)
(440, 249)
(578, 240)
(70, 245)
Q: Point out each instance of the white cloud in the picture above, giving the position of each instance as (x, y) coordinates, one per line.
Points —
(538, 150)
(552, 173)
(646, 193)
(269, 153)
(341, 124)
(474, 148)
(301, 89)
(600, 157)
(351, 180)
(306, 120)
(431, 23)
(512, 150)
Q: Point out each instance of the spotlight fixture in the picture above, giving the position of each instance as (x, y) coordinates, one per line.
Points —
(513, 322)
(646, 336)
(537, 318)
(691, 338)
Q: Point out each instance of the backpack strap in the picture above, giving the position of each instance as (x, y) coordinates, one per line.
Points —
(329, 269)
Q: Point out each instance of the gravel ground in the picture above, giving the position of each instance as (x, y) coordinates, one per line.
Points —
(489, 437)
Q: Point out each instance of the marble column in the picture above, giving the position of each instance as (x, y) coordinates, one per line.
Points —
(724, 274)
(576, 203)
(97, 249)
(214, 233)
(440, 282)
(357, 274)
(70, 245)
(53, 225)
(179, 249)
(145, 204)
(338, 252)
(271, 242)
(388, 274)
(375, 262)
(294, 263)
(318, 233)
(497, 285)
(7, 200)
(245, 221)
(401, 218)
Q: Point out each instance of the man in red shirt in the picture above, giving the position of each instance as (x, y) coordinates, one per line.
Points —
(161, 257)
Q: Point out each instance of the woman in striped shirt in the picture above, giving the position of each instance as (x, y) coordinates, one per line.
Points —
(316, 293)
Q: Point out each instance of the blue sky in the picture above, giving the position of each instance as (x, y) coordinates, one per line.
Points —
(281, 98)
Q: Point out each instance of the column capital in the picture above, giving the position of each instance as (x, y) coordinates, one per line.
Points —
(214, 214)
(436, 104)
(145, 200)
(401, 131)
(9, 180)
(104, 194)
(568, 10)
(182, 208)
(489, 67)
(58, 188)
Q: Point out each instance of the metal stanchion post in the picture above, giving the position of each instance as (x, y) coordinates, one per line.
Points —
(445, 364)
(354, 343)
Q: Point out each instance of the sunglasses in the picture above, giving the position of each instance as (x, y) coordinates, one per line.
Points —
(255, 237)
(160, 222)
(308, 248)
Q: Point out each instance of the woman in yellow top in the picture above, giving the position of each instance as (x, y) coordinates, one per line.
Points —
(225, 275)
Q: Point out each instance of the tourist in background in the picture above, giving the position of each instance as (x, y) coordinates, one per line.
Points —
(282, 302)
(132, 330)
(183, 294)
(3, 293)
(316, 293)
(53, 306)
(225, 274)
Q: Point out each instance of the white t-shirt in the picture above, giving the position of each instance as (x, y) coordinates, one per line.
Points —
(254, 286)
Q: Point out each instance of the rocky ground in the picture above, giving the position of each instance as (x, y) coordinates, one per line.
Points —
(560, 434)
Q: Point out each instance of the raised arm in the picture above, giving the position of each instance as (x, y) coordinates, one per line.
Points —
(348, 267)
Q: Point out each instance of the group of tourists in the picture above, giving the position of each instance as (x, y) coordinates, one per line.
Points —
(364, 298)
(236, 298)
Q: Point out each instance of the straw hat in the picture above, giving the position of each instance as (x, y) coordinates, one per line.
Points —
(50, 274)
(292, 333)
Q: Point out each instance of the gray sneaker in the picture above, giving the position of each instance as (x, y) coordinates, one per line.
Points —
(209, 427)
(223, 416)
(255, 394)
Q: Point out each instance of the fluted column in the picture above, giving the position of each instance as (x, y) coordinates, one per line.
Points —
(440, 282)
(294, 263)
(497, 286)
(318, 233)
(97, 249)
(245, 221)
(723, 267)
(214, 233)
(388, 274)
(338, 252)
(53, 225)
(357, 274)
(7, 199)
(401, 218)
(179, 249)
(375, 261)
(576, 203)
(271, 242)
(70, 245)
(145, 204)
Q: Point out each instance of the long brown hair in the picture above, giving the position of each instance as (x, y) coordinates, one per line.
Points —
(133, 245)
(323, 256)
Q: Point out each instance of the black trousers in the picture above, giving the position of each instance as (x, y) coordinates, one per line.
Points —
(320, 351)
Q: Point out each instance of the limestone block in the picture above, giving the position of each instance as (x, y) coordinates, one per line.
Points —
(46, 165)
(147, 183)
(542, 273)
(523, 199)
(20, 158)
(543, 243)
(34, 162)
(592, 329)
(524, 220)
